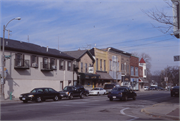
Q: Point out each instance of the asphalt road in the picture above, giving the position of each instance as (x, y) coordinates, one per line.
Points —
(88, 108)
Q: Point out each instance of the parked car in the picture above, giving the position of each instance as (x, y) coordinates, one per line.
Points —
(40, 94)
(146, 87)
(85, 91)
(153, 88)
(175, 91)
(122, 93)
(160, 88)
(108, 87)
(71, 92)
(97, 91)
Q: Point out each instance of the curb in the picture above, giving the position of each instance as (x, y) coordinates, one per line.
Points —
(160, 115)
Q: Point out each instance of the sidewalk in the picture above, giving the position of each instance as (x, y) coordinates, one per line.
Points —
(165, 110)
(7, 101)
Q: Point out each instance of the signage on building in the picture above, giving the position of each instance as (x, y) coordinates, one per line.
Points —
(177, 58)
(91, 69)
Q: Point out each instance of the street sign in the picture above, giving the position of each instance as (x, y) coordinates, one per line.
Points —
(177, 58)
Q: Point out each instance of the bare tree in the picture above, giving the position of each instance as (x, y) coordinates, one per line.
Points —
(163, 18)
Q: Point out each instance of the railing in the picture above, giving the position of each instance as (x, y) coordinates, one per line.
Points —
(46, 67)
(21, 64)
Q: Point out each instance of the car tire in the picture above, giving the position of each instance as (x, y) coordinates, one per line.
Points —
(38, 99)
(172, 95)
(25, 101)
(56, 98)
(81, 96)
(71, 97)
(134, 97)
(125, 98)
(111, 99)
(98, 94)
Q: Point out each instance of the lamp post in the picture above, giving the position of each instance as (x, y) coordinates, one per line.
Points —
(3, 58)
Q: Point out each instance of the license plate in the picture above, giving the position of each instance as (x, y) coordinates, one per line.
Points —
(61, 95)
(23, 98)
(114, 96)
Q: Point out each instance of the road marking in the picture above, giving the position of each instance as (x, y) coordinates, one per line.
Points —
(122, 112)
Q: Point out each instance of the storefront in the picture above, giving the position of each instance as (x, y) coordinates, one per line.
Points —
(105, 78)
(135, 83)
(126, 81)
(142, 82)
(88, 80)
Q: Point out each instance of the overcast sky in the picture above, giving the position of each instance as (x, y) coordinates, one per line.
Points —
(121, 24)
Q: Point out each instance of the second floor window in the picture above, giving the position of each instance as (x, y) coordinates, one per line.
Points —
(53, 63)
(45, 62)
(136, 71)
(81, 66)
(132, 71)
(34, 61)
(61, 64)
(122, 66)
(100, 64)
(127, 66)
(86, 67)
(110, 65)
(69, 66)
(19, 59)
(104, 65)
(96, 64)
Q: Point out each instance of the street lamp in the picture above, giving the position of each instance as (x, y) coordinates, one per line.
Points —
(3, 58)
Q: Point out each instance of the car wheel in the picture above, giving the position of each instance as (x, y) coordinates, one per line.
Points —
(56, 98)
(71, 97)
(125, 98)
(134, 97)
(38, 99)
(98, 94)
(171, 95)
(81, 96)
(25, 101)
(111, 99)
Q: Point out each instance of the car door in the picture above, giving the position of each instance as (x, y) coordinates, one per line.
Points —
(46, 93)
(52, 93)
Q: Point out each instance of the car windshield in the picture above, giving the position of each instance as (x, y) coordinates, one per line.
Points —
(108, 86)
(68, 88)
(37, 90)
(95, 89)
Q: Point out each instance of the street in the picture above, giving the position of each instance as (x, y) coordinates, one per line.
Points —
(88, 108)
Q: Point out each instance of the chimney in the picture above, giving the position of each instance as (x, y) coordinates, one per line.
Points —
(47, 49)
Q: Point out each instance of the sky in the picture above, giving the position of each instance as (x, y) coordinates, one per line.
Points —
(84, 24)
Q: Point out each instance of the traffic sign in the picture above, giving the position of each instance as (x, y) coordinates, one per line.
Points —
(177, 58)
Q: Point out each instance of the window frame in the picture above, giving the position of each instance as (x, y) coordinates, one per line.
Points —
(63, 66)
(36, 61)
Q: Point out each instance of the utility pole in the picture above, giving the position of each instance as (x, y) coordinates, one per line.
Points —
(8, 32)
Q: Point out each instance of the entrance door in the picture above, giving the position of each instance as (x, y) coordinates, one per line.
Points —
(61, 85)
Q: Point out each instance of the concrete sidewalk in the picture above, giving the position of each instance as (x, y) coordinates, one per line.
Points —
(164, 110)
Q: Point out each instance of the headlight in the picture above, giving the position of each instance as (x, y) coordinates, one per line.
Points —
(30, 95)
(67, 93)
(21, 95)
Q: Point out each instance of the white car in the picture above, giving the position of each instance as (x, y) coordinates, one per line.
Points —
(97, 91)
(146, 88)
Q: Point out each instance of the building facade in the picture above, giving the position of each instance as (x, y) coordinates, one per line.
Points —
(31, 66)
(134, 64)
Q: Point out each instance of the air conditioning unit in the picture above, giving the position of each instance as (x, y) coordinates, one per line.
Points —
(34, 65)
(53, 67)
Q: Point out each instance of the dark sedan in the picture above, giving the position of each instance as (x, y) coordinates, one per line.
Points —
(40, 94)
(175, 91)
(122, 93)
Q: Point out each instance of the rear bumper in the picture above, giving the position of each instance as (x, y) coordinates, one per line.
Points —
(115, 96)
